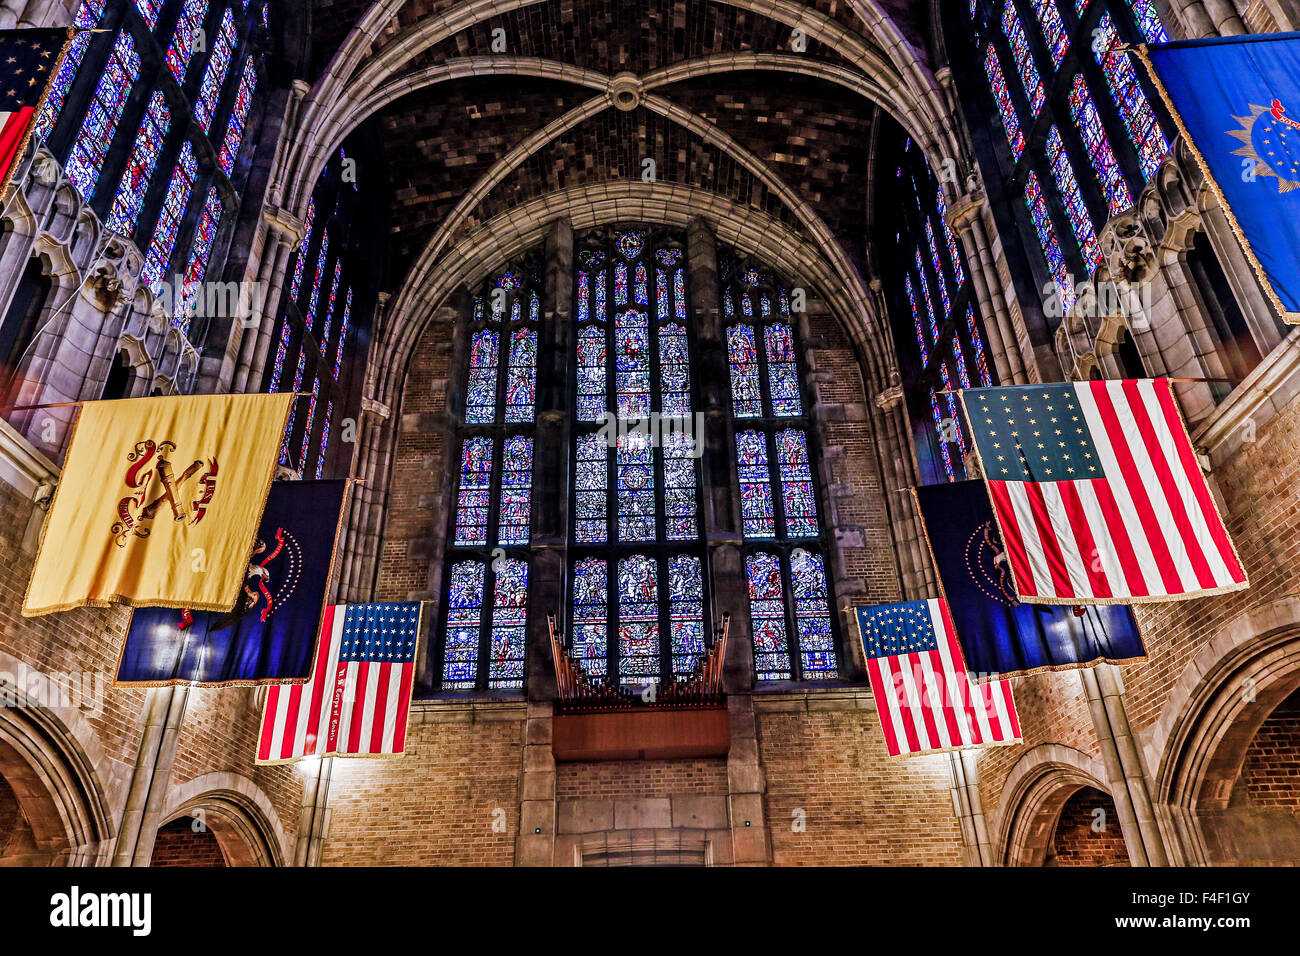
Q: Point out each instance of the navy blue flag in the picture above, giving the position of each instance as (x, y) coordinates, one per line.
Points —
(1237, 102)
(999, 634)
(269, 636)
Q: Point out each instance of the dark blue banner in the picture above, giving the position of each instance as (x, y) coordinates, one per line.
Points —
(270, 634)
(999, 634)
(1239, 100)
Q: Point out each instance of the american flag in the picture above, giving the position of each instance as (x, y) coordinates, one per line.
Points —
(1098, 494)
(359, 695)
(926, 698)
(28, 59)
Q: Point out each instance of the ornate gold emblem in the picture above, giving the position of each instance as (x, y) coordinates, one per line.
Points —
(149, 461)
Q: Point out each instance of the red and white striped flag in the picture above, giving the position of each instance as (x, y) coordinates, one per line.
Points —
(1098, 493)
(926, 698)
(358, 699)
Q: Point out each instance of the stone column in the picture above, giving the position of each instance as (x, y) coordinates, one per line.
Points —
(977, 849)
(313, 818)
(164, 711)
(256, 324)
(1125, 778)
(535, 845)
(964, 218)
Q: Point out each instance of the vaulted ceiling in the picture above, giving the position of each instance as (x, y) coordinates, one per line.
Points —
(483, 107)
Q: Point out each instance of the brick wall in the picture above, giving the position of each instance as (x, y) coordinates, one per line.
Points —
(646, 779)
(859, 806)
(177, 844)
(1087, 832)
(1270, 774)
(419, 473)
(17, 841)
(452, 800)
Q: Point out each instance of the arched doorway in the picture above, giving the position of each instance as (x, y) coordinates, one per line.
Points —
(1087, 832)
(187, 841)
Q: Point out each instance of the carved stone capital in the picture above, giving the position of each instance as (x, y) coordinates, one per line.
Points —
(963, 210)
(890, 398)
(1127, 250)
(284, 226)
(370, 406)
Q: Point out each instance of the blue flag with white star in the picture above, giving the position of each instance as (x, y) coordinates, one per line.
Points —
(1238, 101)
(999, 633)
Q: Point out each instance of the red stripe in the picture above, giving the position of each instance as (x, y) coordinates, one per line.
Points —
(403, 707)
(1128, 560)
(1012, 716)
(338, 688)
(959, 665)
(1174, 500)
(11, 138)
(268, 722)
(319, 679)
(381, 705)
(1012, 539)
(878, 690)
(1133, 482)
(291, 721)
(1051, 546)
(1097, 580)
(1192, 468)
(358, 708)
(951, 698)
(925, 692)
(906, 715)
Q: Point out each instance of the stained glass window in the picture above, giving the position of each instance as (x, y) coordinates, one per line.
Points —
(177, 197)
(797, 495)
(686, 611)
(281, 353)
(746, 396)
(344, 325)
(88, 153)
(214, 75)
(632, 363)
(293, 408)
(634, 457)
(925, 294)
(1126, 91)
(1015, 34)
(149, 9)
(758, 517)
(516, 511)
(767, 613)
(1047, 240)
(977, 343)
(205, 234)
(1002, 96)
(638, 619)
(509, 625)
(1075, 208)
(296, 286)
(1102, 157)
(324, 440)
(590, 642)
(954, 254)
(591, 489)
(916, 320)
(674, 370)
(1148, 21)
(473, 497)
(329, 306)
(188, 28)
(88, 14)
(140, 168)
(464, 626)
(313, 302)
(940, 431)
(1054, 33)
(229, 151)
(311, 418)
(938, 267)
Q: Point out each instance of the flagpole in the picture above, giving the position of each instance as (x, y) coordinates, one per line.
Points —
(29, 408)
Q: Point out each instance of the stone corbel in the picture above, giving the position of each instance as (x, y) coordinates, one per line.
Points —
(1127, 249)
(963, 210)
(890, 398)
(286, 228)
(370, 406)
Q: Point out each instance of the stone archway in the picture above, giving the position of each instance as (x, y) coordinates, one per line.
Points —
(229, 809)
(185, 842)
(52, 808)
(1038, 789)
(1210, 802)
(1087, 832)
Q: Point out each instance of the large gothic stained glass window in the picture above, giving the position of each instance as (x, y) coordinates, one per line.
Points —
(637, 582)
(784, 566)
(1106, 135)
(105, 112)
(482, 644)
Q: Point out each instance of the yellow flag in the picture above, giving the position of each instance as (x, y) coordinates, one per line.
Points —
(159, 502)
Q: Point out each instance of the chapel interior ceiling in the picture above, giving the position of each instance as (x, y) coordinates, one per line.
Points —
(779, 128)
